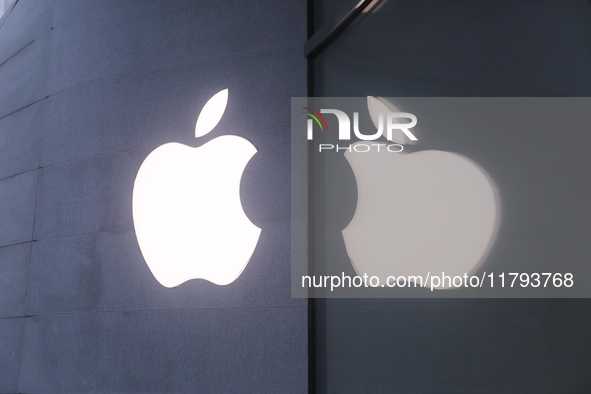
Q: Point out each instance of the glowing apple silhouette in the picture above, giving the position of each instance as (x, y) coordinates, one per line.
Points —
(187, 212)
(419, 213)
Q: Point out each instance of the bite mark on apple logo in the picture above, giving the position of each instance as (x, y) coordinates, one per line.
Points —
(187, 212)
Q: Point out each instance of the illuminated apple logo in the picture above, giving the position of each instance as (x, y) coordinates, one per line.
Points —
(419, 213)
(187, 212)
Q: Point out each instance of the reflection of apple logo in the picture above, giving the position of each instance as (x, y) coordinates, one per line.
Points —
(419, 213)
(187, 212)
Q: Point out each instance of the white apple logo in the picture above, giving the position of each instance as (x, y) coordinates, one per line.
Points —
(419, 213)
(187, 212)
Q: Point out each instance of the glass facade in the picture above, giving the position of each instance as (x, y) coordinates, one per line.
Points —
(463, 49)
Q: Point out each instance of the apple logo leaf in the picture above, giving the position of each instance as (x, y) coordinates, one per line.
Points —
(212, 113)
(379, 105)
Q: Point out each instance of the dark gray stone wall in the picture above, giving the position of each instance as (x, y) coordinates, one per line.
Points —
(87, 90)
